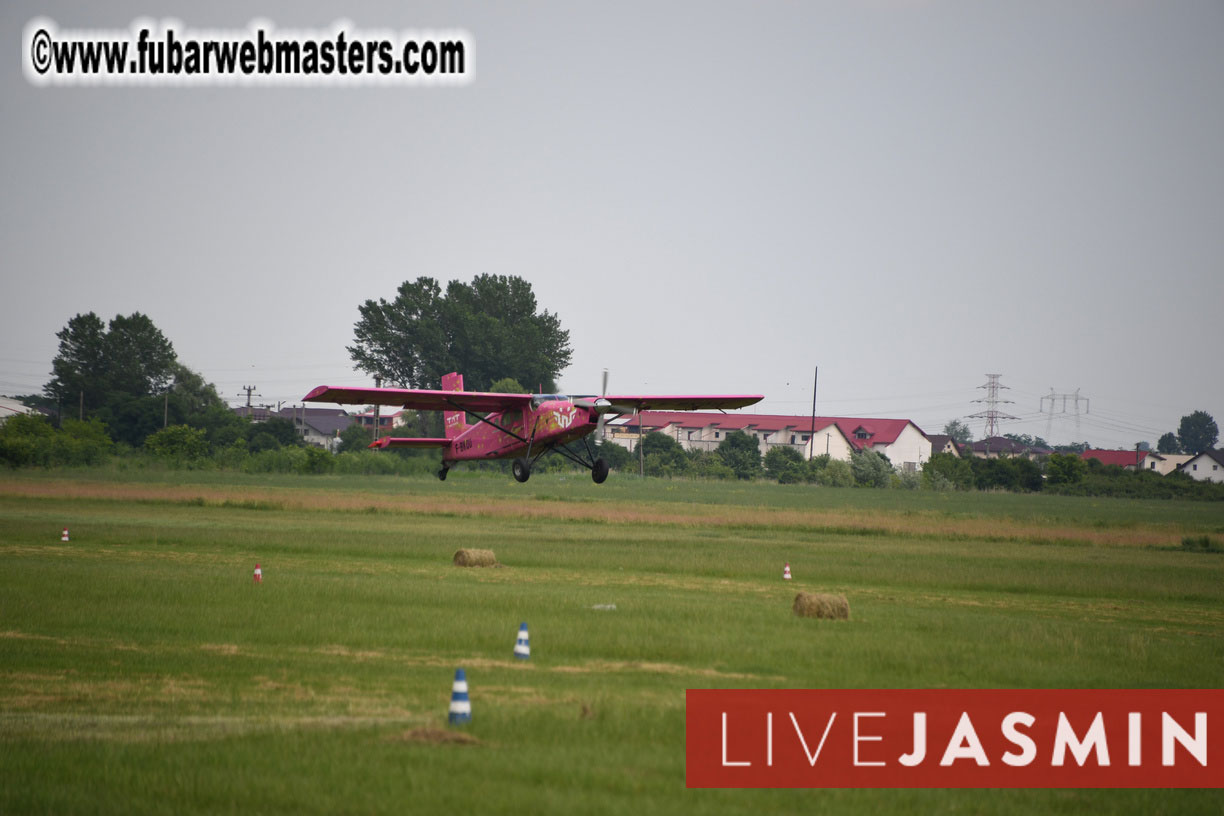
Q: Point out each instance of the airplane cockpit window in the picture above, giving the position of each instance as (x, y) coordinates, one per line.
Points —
(539, 399)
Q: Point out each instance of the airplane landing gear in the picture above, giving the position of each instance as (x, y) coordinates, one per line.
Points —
(600, 471)
(442, 473)
(521, 469)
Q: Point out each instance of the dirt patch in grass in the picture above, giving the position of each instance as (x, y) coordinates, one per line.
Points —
(337, 650)
(435, 736)
(648, 667)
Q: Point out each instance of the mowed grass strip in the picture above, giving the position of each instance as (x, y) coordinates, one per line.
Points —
(935, 520)
(142, 669)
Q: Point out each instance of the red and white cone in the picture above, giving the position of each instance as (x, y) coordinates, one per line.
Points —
(786, 576)
(258, 575)
(64, 537)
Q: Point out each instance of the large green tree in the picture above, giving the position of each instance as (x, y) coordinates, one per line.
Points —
(959, 431)
(487, 330)
(1167, 443)
(126, 374)
(130, 357)
(1197, 432)
(740, 452)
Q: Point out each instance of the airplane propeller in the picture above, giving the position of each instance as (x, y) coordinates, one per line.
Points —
(603, 407)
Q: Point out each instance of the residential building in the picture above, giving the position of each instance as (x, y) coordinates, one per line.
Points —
(1207, 466)
(1129, 459)
(1165, 463)
(899, 439)
(317, 426)
(942, 443)
(996, 446)
(387, 421)
(10, 407)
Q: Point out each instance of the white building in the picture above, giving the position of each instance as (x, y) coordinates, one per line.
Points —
(899, 439)
(1208, 466)
(1165, 463)
(9, 407)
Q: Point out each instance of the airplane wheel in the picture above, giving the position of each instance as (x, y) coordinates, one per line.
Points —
(522, 469)
(600, 471)
(442, 473)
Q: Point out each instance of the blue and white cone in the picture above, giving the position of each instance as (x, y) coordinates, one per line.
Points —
(522, 646)
(460, 706)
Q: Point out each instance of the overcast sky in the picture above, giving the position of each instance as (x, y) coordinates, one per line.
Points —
(712, 197)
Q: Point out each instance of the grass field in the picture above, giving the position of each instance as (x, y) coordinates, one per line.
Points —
(141, 670)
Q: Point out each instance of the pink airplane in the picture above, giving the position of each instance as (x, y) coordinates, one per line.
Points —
(519, 426)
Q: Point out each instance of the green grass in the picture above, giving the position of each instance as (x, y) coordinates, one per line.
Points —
(142, 671)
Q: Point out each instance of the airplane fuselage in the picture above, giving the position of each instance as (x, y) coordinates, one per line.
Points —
(552, 422)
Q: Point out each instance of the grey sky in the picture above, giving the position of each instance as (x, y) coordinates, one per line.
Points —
(713, 197)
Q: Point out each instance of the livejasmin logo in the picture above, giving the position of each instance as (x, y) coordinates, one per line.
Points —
(924, 738)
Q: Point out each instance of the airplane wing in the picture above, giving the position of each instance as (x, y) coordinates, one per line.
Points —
(420, 399)
(626, 403)
(410, 442)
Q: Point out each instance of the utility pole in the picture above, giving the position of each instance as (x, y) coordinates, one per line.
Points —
(377, 429)
(641, 446)
(992, 414)
(812, 435)
(249, 389)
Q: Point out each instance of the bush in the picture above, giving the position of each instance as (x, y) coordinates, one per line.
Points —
(871, 469)
(1201, 544)
(664, 456)
(178, 443)
(708, 465)
(739, 452)
(29, 440)
(943, 471)
(815, 465)
(277, 460)
(316, 461)
(835, 474)
(617, 456)
(908, 480)
(1065, 468)
(781, 459)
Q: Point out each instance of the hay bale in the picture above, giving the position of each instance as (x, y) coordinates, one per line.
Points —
(820, 605)
(475, 558)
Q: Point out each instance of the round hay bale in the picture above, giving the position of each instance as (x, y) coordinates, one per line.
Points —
(820, 605)
(475, 558)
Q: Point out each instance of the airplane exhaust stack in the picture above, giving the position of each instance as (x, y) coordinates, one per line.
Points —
(460, 705)
(258, 575)
(522, 646)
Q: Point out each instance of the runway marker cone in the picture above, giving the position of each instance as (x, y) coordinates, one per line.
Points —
(64, 537)
(522, 646)
(786, 576)
(258, 575)
(460, 705)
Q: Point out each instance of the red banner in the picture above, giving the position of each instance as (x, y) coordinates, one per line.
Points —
(955, 738)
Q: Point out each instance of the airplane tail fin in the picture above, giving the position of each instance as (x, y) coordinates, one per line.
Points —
(455, 422)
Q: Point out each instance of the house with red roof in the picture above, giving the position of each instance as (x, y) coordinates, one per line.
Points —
(387, 420)
(900, 440)
(1129, 459)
